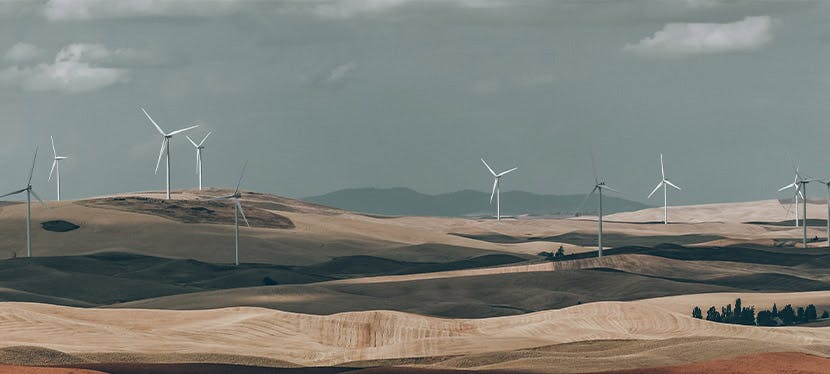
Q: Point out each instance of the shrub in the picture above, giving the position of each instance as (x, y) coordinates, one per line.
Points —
(825, 314)
(800, 316)
(697, 313)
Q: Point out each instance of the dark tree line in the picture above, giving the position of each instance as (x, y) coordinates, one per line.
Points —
(741, 315)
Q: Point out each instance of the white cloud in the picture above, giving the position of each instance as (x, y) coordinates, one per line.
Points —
(76, 69)
(677, 39)
(350, 8)
(339, 72)
(60, 10)
(22, 52)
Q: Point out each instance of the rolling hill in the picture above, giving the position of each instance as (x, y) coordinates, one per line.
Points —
(466, 203)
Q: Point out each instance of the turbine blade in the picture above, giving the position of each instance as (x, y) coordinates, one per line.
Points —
(241, 175)
(609, 188)
(585, 200)
(161, 152)
(53, 146)
(33, 167)
(191, 141)
(38, 198)
(505, 172)
(488, 167)
(241, 212)
(655, 189)
(154, 122)
(13, 193)
(662, 169)
(672, 184)
(791, 185)
(495, 184)
(54, 163)
(205, 138)
(182, 130)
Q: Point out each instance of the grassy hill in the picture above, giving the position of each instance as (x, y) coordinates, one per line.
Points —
(404, 201)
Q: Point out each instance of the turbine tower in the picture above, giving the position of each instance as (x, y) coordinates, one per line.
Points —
(56, 168)
(497, 187)
(599, 185)
(796, 194)
(165, 146)
(664, 183)
(29, 193)
(199, 147)
(827, 183)
(236, 196)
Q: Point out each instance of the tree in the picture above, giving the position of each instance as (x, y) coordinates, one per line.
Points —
(697, 313)
(774, 310)
(787, 315)
(560, 253)
(765, 318)
(825, 314)
(747, 316)
(713, 315)
(810, 312)
(800, 316)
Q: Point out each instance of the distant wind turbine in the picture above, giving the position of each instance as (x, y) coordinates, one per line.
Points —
(664, 183)
(56, 168)
(165, 146)
(236, 196)
(796, 194)
(599, 185)
(199, 147)
(497, 187)
(29, 192)
(827, 183)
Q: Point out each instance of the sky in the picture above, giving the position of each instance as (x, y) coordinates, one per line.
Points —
(321, 95)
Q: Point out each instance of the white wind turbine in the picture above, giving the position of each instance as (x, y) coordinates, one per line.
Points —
(599, 185)
(236, 196)
(795, 184)
(165, 146)
(199, 147)
(827, 184)
(29, 192)
(56, 168)
(664, 183)
(497, 187)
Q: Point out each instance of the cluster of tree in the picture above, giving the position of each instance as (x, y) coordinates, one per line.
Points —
(741, 315)
(553, 256)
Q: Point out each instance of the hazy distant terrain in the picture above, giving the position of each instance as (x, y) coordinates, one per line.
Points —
(404, 201)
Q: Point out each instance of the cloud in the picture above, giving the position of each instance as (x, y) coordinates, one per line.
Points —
(76, 69)
(22, 52)
(678, 39)
(63, 10)
(339, 72)
(351, 8)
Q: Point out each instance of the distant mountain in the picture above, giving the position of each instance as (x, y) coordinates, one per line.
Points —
(406, 202)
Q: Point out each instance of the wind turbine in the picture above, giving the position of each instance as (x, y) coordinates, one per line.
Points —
(199, 147)
(235, 196)
(56, 167)
(165, 146)
(29, 192)
(827, 183)
(497, 187)
(664, 183)
(599, 185)
(796, 194)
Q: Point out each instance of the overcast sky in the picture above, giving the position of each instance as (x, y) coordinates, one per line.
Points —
(321, 95)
